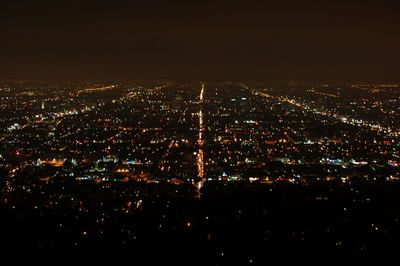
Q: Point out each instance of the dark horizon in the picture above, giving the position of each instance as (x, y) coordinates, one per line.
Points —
(235, 40)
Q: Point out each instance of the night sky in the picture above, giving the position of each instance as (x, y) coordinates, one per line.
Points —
(201, 40)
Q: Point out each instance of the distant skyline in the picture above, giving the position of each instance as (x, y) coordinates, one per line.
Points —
(200, 40)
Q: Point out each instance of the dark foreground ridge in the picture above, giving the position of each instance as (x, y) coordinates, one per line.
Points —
(254, 224)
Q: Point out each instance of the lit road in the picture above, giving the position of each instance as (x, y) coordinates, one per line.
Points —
(200, 141)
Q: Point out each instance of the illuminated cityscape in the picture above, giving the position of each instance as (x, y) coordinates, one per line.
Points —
(213, 166)
(200, 132)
